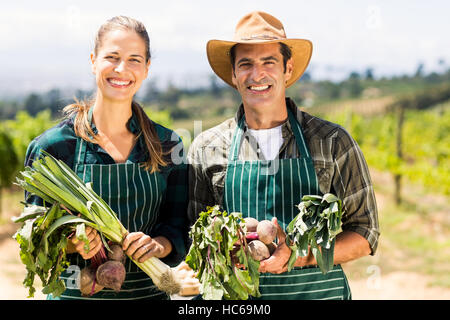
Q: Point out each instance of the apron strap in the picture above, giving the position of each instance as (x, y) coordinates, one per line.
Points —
(298, 134)
(296, 128)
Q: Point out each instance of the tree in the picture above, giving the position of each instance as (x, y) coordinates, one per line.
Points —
(214, 86)
(33, 104)
(53, 101)
(419, 70)
(152, 92)
(9, 162)
(369, 74)
(354, 84)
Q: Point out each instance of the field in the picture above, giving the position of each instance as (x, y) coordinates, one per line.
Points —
(413, 256)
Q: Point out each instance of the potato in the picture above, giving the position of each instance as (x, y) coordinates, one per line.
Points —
(251, 224)
(258, 250)
(267, 231)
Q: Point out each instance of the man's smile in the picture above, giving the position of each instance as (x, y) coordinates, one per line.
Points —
(258, 89)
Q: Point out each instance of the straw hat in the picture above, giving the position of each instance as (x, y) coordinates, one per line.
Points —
(258, 27)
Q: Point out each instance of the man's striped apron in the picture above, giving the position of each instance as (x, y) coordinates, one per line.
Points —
(135, 195)
(272, 188)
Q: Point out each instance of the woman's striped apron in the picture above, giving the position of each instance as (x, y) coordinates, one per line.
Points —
(272, 188)
(135, 195)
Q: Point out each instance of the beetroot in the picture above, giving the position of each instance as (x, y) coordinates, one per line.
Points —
(87, 279)
(267, 231)
(116, 253)
(251, 224)
(258, 250)
(251, 236)
(111, 274)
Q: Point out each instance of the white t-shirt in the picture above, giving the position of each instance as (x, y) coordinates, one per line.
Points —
(269, 141)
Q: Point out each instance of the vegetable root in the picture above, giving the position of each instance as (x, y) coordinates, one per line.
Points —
(258, 250)
(267, 231)
(88, 283)
(111, 275)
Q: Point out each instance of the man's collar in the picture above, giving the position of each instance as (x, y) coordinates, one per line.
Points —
(286, 127)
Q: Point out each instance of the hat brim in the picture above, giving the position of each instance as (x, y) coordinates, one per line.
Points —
(218, 52)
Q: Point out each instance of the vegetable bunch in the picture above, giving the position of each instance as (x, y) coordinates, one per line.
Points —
(54, 182)
(43, 247)
(213, 255)
(317, 225)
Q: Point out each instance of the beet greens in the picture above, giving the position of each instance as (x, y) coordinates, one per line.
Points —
(214, 235)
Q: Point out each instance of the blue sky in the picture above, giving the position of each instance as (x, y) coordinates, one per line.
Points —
(46, 44)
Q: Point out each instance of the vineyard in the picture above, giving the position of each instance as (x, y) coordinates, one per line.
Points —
(405, 140)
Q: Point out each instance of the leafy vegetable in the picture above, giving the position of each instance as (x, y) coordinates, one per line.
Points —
(211, 256)
(316, 226)
(43, 247)
(54, 182)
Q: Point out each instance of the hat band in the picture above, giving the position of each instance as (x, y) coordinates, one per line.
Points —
(262, 37)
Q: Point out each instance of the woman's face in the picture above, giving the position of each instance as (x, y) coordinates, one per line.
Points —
(120, 65)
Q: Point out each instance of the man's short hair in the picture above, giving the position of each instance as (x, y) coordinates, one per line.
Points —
(285, 51)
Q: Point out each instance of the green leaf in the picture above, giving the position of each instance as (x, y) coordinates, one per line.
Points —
(30, 212)
(67, 219)
(328, 258)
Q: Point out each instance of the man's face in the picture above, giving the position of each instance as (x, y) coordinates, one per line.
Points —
(259, 75)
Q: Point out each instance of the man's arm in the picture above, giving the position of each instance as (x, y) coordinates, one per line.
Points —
(349, 246)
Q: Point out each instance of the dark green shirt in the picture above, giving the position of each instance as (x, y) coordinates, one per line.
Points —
(60, 141)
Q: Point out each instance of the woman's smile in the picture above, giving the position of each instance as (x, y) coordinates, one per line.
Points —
(119, 83)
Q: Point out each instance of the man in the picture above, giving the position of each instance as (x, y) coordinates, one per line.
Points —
(262, 161)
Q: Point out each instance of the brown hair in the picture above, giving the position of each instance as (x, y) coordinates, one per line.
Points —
(80, 109)
(285, 51)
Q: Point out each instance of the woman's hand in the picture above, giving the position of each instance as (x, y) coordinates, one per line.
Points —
(95, 244)
(140, 247)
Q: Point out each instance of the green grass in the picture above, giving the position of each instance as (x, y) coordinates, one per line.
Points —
(415, 236)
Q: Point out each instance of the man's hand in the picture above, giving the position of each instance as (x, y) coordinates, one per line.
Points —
(277, 262)
(95, 244)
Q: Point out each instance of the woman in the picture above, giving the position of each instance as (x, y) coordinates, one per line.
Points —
(130, 160)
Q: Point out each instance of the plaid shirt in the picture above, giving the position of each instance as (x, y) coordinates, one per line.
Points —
(339, 163)
(60, 141)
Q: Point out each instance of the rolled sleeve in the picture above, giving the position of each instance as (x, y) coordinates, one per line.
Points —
(352, 183)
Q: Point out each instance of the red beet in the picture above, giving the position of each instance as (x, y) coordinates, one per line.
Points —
(251, 236)
(111, 275)
(116, 253)
(267, 231)
(251, 224)
(87, 279)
